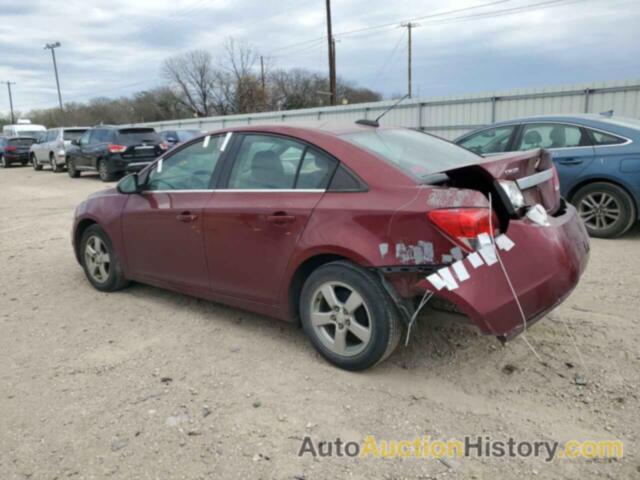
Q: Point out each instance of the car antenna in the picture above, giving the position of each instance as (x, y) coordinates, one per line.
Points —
(375, 123)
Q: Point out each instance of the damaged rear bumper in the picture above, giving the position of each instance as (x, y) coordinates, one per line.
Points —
(544, 266)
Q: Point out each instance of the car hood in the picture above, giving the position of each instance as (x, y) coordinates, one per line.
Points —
(108, 192)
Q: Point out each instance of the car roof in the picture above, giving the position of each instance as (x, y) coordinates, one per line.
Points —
(335, 129)
(628, 127)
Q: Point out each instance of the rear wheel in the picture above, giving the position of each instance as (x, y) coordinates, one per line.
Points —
(55, 168)
(100, 261)
(34, 162)
(348, 316)
(103, 171)
(606, 209)
(71, 168)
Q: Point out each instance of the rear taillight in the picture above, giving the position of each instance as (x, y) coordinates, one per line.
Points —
(164, 146)
(463, 225)
(556, 179)
(10, 148)
(116, 148)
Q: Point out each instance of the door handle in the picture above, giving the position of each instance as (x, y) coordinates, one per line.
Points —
(280, 218)
(186, 217)
(570, 161)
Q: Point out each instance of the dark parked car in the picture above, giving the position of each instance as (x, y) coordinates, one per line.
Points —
(597, 157)
(174, 137)
(112, 151)
(343, 228)
(15, 150)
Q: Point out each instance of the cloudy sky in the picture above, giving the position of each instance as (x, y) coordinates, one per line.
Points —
(116, 47)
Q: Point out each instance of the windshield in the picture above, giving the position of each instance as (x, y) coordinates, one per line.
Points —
(135, 136)
(416, 153)
(30, 133)
(184, 135)
(72, 134)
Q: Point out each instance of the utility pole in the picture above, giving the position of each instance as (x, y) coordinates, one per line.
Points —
(13, 120)
(52, 47)
(409, 26)
(332, 57)
(263, 84)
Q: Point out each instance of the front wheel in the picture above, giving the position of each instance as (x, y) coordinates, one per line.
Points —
(34, 161)
(100, 261)
(348, 316)
(606, 209)
(4, 163)
(71, 168)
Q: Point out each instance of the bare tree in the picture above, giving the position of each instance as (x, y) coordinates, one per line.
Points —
(194, 77)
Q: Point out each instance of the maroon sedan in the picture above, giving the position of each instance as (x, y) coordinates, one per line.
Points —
(345, 229)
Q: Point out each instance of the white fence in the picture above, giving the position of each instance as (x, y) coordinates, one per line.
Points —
(450, 117)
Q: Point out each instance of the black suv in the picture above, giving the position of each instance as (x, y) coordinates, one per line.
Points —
(113, 151)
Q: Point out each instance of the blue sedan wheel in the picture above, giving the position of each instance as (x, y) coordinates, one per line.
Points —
(606, 209)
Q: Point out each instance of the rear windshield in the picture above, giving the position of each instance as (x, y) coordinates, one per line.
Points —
(417, 153)
(21, 142)
(30, 133)
(72, 134)
(135, 136)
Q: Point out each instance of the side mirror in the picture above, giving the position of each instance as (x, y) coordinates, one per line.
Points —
(129, 184)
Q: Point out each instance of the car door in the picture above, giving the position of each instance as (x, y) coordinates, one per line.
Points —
(252, 223)
(80, 157)
(39, 146)
(569, 146)
(162, 226)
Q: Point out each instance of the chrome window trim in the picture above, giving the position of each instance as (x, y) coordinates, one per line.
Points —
(535, 179)
(229, 190)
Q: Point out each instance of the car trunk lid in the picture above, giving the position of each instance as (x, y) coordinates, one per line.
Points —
(533, 172)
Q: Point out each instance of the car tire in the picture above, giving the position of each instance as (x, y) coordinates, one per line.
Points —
(71, 168)
(55, 168)
(34, 161)
(103, 171)
(350, 338)
(100, 261)
(4, 163)
(607, 210)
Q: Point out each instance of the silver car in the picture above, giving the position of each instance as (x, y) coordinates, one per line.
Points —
(51, 147)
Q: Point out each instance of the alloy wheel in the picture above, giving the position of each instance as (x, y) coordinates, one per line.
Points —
(3, 163)
(599, 210)
(341, 319)
(102, 171)
(97, 259)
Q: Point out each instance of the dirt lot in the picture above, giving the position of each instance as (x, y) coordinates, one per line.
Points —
(149, 384)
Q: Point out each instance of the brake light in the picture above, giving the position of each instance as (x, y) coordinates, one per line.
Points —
(556, 178)
(10, 148)
(116, 148)
(463, 225)
(164, 146)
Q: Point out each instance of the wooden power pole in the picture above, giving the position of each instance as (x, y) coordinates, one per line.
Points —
(13, 119)
(332, 57)
(409, 26)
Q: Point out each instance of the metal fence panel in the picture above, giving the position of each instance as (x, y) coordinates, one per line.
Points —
(452, 116)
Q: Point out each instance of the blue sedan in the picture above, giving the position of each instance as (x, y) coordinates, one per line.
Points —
(597, 158)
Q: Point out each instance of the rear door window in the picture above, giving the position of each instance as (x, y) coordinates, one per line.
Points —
(316, 170)
(266, 162)
(552, 135)
(493, 140)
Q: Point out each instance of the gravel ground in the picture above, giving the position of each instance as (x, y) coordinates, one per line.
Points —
(145, 383)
